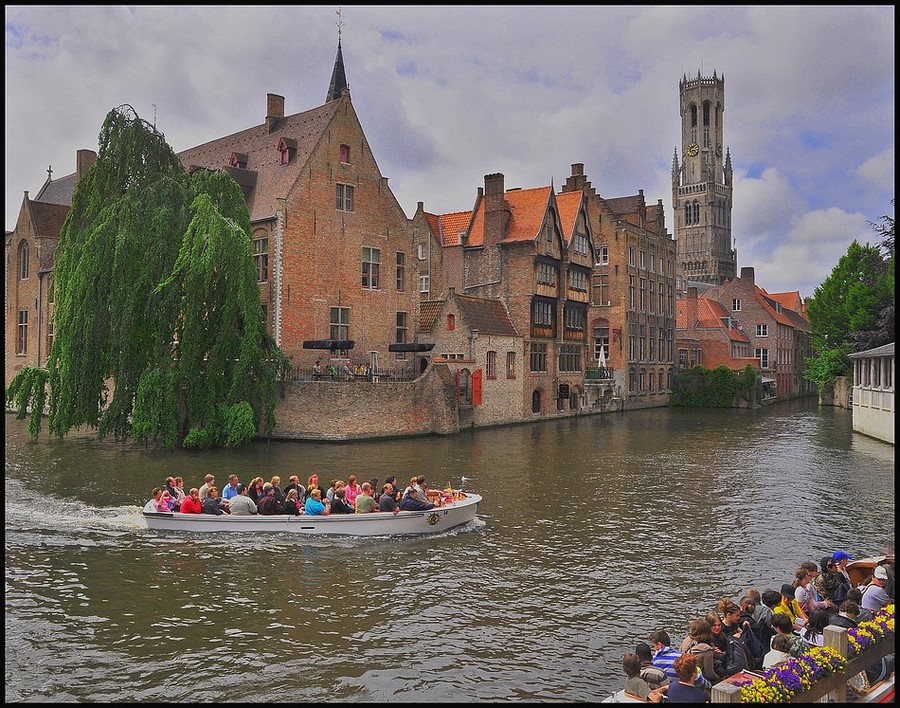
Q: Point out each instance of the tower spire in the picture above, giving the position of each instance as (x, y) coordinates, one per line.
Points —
(338, 76)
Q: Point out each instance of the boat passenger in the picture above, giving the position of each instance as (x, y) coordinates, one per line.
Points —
(814, 597)
(398, 493)
(268, 505)
(719, 639)
(294, 483)
(365, 504)
(352, 491)
(312, 482)
(779, 653)
(847, 616)
(790, 607)
(230, 489)
(699, 643)
(782, 625)
(339, 503)
(180, 494)
(191, 503)
(664, 654)
(762, 614)
(684, 689)
(255, 490)
(212, 504)
(314, 505)
(290, 506)
(387, 502)
(874, 596)
(864, 615)
(158, 502)
(828, 581)
(655, 677)
(634, 684)
(276, 487)
(412, 503)
(241, 504)
(814, 632)
(208, 482)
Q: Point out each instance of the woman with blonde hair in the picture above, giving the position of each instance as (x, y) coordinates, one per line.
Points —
(699, 642)
(276, 487)
(290, 505)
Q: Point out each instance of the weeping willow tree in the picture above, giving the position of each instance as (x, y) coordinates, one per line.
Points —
(159, 332)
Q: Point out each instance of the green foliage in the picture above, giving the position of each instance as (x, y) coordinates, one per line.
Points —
(826, 367)
(158, 319)
(713, 388)
(29, 389)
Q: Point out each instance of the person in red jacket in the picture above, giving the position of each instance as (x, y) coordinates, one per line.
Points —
(191, 503)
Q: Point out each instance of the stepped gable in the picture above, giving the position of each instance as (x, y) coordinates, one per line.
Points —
(260, 146)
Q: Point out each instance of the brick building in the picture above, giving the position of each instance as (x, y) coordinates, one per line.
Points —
(707, 335)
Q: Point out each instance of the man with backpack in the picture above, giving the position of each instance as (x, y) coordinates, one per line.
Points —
(738, 655)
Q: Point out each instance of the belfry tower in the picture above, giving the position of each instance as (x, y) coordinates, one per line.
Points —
(702, 184)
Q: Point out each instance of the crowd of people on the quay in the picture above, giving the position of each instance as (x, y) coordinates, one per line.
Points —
(295, 498)
(756, 632)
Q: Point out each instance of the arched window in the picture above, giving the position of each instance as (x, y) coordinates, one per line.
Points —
(687, 214)
(696, 213)
(23, 260)
(693, 116)
(536, 401)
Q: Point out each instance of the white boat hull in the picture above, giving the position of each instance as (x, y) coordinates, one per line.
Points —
(406, 523)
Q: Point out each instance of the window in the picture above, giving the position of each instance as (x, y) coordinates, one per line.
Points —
(542, 313)
(631, 255)
(340, 323)
(345, 154)
(23, 261)
(570, 357)
(762, 330)
(343, 197)
(451, 322)
(400, 337)
(652, 263)
(580, 244)
(604, 255)
(538, 357)
(682, 358)
(601, 341)
(22, 339)
(510, 365)
(371, 263)
(261, 258)
(763, 356)
(643, 260)
(424, 283)
(546, 274)
(401, 271)
(490, 367)
(631, 292)
(604, 290)
(735, 305)
(420, 251)
(51, 331)
(536, 401)
(575, 318)
(643, 293)
(578, 280)
(548, 229)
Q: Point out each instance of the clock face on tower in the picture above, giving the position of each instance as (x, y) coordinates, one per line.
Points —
(693, 149)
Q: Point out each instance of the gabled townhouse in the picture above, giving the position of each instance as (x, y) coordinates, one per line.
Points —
(707, 335)
(632, 316)
(779, 335)
(476, 339)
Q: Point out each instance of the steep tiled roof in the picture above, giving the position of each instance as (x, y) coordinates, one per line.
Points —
(428, 312)
(773, 307)
(486, 315)
(528, 208)
(57, 191)
(447, 227)
(624, 205)
(568, 204)
(273, 179)
(789, 300)
(48, 218)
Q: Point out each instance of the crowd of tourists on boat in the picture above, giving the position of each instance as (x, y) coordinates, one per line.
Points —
(757, 632)
(295, 498)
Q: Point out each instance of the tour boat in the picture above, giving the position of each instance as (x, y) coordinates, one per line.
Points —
(453, 512)
(862, 569)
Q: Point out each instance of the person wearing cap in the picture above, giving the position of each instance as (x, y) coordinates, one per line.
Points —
(790, 607)
(840, 562)
(241, 504)
(874, 596)
(828, 581)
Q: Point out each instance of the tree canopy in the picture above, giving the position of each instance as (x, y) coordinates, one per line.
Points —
(853, 308)
(159, 332)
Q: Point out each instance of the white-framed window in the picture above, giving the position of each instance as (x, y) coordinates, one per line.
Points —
(420, 251)
(580, 244)
(735, 305)
(763, 356)
(424, 283)
(643, 260)
(261, 258)
(762, 330)
(371, 266)
(343, 197)
(652, 263)
(604, 255)
(631, 256)
(340, 323)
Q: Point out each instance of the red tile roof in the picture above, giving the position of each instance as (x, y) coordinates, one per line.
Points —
(569, 204)
(447, 227)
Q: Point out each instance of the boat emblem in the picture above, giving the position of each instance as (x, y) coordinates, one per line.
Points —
(432, 519)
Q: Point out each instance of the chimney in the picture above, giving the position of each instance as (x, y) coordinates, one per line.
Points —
(577, 168)
(84, 160)
(691, 310)
(748, 274)
(274, 111)
(496, 209)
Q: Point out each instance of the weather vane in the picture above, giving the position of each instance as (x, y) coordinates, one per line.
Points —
(340, 21)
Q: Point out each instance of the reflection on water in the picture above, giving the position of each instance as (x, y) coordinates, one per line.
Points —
(592, 532)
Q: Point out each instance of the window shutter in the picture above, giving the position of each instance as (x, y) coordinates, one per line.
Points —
(476, 387)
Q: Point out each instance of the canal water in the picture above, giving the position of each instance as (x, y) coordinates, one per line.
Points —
(593, 531)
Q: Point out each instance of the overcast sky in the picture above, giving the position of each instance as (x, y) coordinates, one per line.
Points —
(448, 94)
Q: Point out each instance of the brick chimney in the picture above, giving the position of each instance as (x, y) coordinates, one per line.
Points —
(576, 182)
(691, 309)
(747, 273)
(84, 160)
(274, 111)
(496, 209)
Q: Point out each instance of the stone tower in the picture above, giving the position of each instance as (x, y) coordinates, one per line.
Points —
(702, 184)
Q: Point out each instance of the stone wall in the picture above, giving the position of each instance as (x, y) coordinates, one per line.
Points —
(358, 410)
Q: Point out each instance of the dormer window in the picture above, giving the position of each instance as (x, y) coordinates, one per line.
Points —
(287, 150)
(345, 154)
(239, 160)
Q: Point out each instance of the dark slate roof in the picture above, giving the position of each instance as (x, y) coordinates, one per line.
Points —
(338, 77)
(625, 205)
(57, 191)
(485, 315)
(273, 180)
